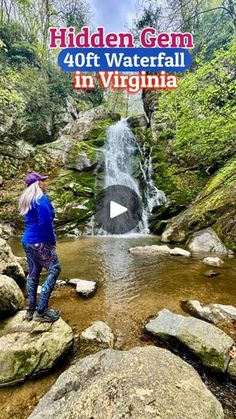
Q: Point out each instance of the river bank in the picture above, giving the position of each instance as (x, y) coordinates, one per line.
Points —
(130, 289)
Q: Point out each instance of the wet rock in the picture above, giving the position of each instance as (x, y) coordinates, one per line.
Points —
(11, 296)
(79, 129)
(139, 121)
(145, 382)
(84, 287)
(8, 263)
(211, 273)
(165, 250)
(96, 337)
(213, 261)
(173, 235)
(29, 348)
(206, 241)
(177, 251)
(214, 313)
(206, 341)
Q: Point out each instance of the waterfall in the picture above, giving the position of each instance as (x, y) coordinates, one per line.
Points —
(122, 159)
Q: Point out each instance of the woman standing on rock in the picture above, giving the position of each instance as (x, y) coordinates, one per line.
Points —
(39, 243)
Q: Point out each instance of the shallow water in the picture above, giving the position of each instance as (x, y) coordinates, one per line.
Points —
(130, 289)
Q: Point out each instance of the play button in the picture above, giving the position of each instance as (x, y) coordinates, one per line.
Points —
(118, 209)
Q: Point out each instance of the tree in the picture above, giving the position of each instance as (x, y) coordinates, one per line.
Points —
(76, 13)
(212, 22)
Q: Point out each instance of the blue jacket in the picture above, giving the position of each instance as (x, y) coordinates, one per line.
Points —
(39, 222)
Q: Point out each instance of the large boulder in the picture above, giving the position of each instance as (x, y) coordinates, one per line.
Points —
(9, 264)
(206, 241)
(145, 382)
(29, 348)
(11, 296)
(209, 343)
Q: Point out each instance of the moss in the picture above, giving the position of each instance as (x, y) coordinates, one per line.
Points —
(82, 147)
(72, 194)
(212, 358)
(215, 206)
(226, 174)
(9, 166)
(98, 134)
(179, 185)
(91, 144)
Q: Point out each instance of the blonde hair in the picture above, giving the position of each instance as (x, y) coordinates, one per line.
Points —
(31, 194)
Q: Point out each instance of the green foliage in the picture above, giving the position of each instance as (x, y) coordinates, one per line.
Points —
(203, 110)
(33, 90)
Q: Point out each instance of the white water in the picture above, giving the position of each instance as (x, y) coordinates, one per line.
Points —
(119, 152)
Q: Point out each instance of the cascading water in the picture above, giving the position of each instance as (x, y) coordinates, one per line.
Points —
(122, 159)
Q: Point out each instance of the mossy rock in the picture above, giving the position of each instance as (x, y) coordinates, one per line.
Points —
(179, 184)
(72, 194)
(29, 349)
(98, 133)
(215, 206)
(85, 153)
(9, 167)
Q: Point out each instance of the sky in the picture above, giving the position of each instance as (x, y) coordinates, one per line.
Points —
(114, 15)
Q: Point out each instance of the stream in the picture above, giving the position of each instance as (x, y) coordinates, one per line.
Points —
(130, 289)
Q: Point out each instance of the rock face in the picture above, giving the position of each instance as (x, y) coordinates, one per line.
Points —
(214, 206)
(72, 161)
(28, 348)
(9, 264)
(146, 382)
(213, 261)
(83, 287)
(208, 342)
(139, 121)
(206, 241)
(214, 313)
(11, 296)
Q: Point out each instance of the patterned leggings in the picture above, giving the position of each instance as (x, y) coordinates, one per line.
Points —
(41, 255)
